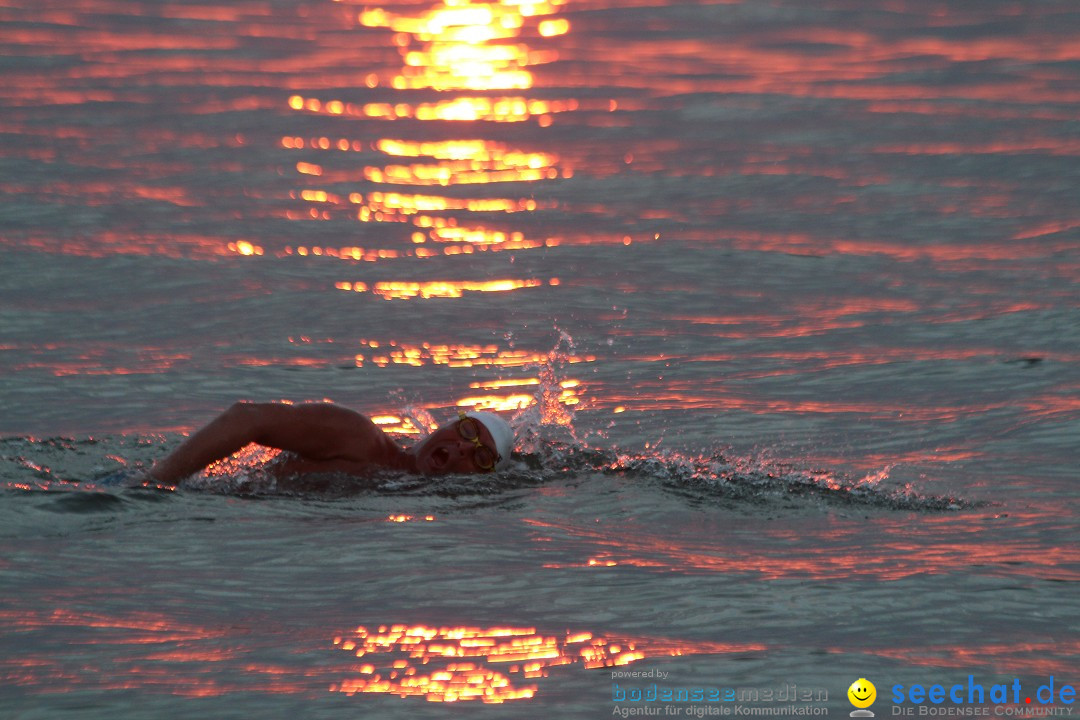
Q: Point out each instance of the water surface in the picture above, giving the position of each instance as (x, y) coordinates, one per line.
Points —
(781, 296)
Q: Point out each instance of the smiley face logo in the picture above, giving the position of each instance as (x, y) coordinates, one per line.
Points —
(862, 693)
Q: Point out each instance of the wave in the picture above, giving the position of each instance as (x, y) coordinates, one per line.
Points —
(69, 465)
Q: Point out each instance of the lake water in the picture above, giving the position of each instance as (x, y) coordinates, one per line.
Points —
(781, 296)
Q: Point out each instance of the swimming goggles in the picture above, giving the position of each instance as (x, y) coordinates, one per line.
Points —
(469, 429)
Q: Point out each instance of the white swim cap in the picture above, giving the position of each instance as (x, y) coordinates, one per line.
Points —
(501, 433)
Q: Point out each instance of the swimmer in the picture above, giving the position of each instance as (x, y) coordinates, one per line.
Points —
(327, 438)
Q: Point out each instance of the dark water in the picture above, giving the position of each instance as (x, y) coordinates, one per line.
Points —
(782, 297)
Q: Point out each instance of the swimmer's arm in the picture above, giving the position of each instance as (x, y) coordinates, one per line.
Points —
(314, 431)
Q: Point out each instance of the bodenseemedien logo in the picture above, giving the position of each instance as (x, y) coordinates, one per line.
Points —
(862, 694)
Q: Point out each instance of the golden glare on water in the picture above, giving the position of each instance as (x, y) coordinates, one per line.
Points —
(504, 394)
(403, 518)
(446, 163)
(243, 247)
(463, 45)
(515, 108)
(461, 162)
(463, 663)
(418, 210)
(454, 355)
(566, 394)
(393, 290)
(454, 46)
(395, 424)
(452, 174)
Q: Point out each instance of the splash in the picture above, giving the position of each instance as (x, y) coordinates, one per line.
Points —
(719, 477)
(548, 422)
(552, 447)
(247, 471)
(420, 418)
(62, 464)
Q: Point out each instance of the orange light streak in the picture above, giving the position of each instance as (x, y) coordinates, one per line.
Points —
(766, 63)
(400, 290)
(413, 208)
(453, 174)
(243, 247)
(498, 403)
(459, 109)
(1034, 658)
(411, 203)
(408, 518)
(499, 384)
(345, 253)
(568, 395)
(462, 161)
(396, 425)
(896, 556)
(455, 355)
(551, 28)
(1060, 147)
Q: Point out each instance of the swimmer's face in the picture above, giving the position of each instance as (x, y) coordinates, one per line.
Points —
(862, 693)
(445, 451)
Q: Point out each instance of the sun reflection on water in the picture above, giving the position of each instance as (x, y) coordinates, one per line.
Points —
(457, 355)
(503, 109)
(554, 392)
(455, 46)
(152, 651)
(466, 663)
(395, 290)
(461, 162)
